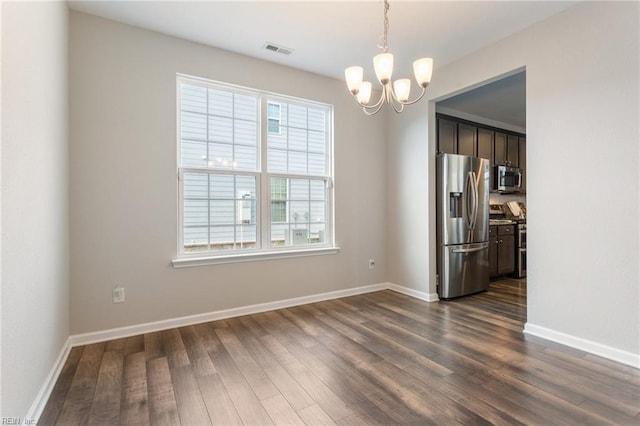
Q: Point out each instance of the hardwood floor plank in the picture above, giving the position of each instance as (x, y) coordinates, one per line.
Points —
(53, 408)
(191, 407)
(318, 390)
(115, 345)
(163, 409)
(135, 401)
(105, 409)
(379, 358)
(78, 402)
(219, 405)
(196, 351)
(240, 392)
(281, 412)
(154, 346)
(134, 344)
(315, 416)
(252, 372)
(286, 384)
(174, 347)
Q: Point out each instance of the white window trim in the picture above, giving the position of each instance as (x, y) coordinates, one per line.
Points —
(250, 257)
(263, 210)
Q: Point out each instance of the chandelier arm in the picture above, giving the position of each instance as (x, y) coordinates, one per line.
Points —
(375, 108)
(424, 90)
(367, 112)
(392, 99)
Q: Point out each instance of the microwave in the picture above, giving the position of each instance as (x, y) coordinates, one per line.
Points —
(506, 179)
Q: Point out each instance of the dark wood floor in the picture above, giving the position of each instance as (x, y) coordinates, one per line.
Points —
(379, 358)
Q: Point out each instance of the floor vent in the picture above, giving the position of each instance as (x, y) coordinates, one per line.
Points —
(279, 49)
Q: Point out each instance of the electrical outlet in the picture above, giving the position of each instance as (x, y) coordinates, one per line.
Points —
(118, 295)
(372, 263)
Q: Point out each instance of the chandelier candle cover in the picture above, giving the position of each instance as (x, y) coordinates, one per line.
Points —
(396, 94)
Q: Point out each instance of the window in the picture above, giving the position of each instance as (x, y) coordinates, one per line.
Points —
(247, 187)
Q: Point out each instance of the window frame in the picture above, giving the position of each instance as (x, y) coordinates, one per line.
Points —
(264, 248)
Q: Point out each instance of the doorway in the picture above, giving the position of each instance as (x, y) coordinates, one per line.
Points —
(489, 121)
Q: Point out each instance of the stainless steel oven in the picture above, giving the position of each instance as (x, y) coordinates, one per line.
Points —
(521, 250)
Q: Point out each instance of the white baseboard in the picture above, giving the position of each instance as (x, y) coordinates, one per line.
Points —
(594, 348)
(427, 297)
(118, 333)
(47, 387)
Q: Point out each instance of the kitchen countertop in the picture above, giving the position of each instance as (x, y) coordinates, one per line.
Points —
(501, 222)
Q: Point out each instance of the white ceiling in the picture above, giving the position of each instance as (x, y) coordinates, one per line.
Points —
(328, 36)
(503, 100)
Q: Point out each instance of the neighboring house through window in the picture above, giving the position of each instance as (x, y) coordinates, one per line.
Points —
(245, 188)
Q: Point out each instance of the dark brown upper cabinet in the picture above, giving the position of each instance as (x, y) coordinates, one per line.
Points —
(500, 148)
(467, 140)
(447, 136)
(512, 151)
(485, 143)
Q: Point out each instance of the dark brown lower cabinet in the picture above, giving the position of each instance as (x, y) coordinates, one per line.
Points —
(502, 260)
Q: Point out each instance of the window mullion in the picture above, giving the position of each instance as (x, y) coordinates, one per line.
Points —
(265, 192)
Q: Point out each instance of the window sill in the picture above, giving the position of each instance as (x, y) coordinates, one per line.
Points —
(187, 262)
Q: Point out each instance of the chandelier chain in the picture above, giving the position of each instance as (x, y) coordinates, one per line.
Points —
(385, 28)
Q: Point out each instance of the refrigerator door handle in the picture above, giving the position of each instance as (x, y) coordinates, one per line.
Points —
(470, 250)
(468, 198)
(472, 196)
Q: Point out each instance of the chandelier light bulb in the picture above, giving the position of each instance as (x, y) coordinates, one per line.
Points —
(353, 75)
(401, 88)
(423, 68)
(383, 65)
(365, 93)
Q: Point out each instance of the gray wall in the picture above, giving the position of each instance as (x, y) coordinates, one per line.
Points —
(35, 249)
(123, 187)
(582, 166)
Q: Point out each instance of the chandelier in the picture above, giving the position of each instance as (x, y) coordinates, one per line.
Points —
(396, 93)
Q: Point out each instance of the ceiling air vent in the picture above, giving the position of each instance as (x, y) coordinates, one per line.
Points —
(279, 49)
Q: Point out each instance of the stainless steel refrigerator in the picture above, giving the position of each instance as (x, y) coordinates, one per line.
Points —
(462, 222)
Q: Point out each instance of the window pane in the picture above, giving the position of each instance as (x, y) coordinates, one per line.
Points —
(193, 126)
(297, 162)
(317, 142)
(278, 211)
(277, 159)
(220, 156)
(227, 120)
(246, 158)
(220, 129)
(245, 107)
(317, 120)
(278, 234)
(297, 139)
(193, 98)
(277, 141)
(297, 117)
(221, 187)
(220, 103)
(299, 189)
(298, 211)
(194, 153)
(220, 212)
(303, 138)
(317, 164)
